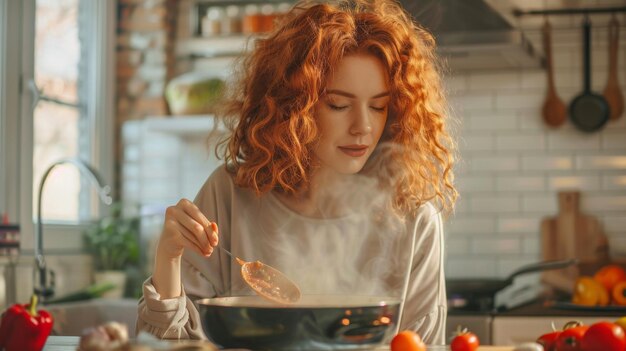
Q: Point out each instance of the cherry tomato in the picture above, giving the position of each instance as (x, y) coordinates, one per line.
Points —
(548, 340)
(570, 339)
(621, 322)
(407, 340)
(465, 341)
(604, 336)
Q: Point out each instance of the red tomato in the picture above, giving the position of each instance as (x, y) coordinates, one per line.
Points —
(570, 339)
(465, 342)
(604, 336)
(407, 340)
(548, 341)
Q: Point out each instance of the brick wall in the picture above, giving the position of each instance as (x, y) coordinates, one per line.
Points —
(512, 165)
(144, 56)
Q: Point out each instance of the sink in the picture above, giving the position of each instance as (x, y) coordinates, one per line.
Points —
(71, 318)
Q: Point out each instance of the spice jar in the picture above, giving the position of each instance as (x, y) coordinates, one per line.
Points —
(267, 18)
(212, 21)
(232, 23)
(252, 20)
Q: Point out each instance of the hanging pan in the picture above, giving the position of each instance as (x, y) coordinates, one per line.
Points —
(588, 111)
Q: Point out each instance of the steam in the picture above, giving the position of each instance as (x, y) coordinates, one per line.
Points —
(365, 251)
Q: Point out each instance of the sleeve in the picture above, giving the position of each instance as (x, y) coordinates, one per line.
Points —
(425, 306)
(178, 318)
(175, 318)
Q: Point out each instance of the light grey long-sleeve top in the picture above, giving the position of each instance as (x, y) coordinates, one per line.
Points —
(360, 253)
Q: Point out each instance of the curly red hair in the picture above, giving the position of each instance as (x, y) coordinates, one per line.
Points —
(271, 108)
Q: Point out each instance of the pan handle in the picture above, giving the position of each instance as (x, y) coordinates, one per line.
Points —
(541, 266)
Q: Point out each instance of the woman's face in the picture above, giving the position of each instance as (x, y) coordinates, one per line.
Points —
(352, 114)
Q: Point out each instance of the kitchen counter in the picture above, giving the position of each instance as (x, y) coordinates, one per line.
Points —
(69, 343)
(546, 309)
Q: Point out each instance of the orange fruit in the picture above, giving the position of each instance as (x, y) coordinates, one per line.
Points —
(589, 292)
(610, 275)
(407, 340)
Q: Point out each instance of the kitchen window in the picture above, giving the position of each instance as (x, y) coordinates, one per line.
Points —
(56, 95)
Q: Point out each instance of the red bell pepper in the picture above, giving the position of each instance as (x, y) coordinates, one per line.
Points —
(23, 328)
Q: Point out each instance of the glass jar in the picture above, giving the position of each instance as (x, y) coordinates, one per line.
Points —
(252, 20)
(267, 18)
(212, 21)
(232, 23)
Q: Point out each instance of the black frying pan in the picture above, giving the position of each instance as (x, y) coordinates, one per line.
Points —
(479, 293)
(321, 322)
(588, 111)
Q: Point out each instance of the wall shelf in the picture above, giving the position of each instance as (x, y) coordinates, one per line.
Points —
(183, 126)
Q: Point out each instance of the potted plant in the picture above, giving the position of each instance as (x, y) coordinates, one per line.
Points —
(113, 242)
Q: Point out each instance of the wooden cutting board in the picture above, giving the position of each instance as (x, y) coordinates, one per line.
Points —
(572, 234)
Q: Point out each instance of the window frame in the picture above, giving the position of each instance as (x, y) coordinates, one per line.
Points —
(17, 21)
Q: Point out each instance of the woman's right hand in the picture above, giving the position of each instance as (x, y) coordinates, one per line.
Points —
(186, 227)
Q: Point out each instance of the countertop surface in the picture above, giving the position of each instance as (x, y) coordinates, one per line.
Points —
(69, 343)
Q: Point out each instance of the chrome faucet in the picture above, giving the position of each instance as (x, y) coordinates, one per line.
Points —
(41, 287)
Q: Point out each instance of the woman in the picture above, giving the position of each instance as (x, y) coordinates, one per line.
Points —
(336, 173)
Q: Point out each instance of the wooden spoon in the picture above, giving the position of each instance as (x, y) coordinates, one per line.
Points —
(266, 281)
(554, 111)
(612, 92)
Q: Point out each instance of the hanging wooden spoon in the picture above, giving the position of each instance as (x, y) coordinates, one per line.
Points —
(554, 111)
(612, 92)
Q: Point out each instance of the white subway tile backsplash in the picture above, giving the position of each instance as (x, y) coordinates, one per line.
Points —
(472, 101)
(455, 83)
(131, 132)
(507, 99)
(493, 163)
(614, 202)
(160, 145)
(462, 205)
(539, 203)
(471, 267)
(518, 224)
(520, 183)
(535, 80)
(531, 245)
(464, 225)
(489, 245)
(601, 162)
(494, 81)
(614, 182)
(132, 152)
(584, 183)
(495, 204)
(507, 265)
(480, 142)
(614, 140)
(492, 122)
(531, 120)
(519, 142)
(160, 168)
(131, 171)
(471, 184)
(573, 140)
(617, 245)
(456, 246)
(547, 163)
(614, 223)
